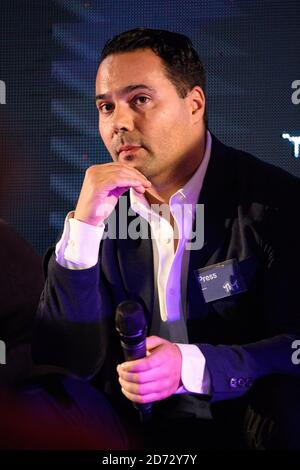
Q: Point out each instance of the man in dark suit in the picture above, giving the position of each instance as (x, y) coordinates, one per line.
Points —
(222, 312)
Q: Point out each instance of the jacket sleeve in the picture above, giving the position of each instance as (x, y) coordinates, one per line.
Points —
(234, 368)
(73, 322)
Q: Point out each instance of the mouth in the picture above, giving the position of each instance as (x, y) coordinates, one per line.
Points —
(126, 150)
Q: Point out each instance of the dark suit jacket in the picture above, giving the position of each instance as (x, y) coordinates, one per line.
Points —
(251, 212)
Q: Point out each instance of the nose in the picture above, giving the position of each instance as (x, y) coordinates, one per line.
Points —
(123, 118)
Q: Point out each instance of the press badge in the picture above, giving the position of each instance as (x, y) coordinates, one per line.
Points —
(220, 280)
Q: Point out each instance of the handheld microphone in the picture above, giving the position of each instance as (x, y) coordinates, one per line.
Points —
(132, 328)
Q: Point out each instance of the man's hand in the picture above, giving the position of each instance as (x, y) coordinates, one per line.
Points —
(102, 187)
(154, 377)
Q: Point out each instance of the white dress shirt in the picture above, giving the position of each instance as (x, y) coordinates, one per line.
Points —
(79, 247)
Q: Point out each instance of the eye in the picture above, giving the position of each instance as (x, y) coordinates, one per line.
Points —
(141, 99)
(105, 108)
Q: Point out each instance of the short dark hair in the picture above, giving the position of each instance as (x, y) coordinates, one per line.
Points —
(182, 62)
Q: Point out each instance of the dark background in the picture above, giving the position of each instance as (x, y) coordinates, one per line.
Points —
(48, 60)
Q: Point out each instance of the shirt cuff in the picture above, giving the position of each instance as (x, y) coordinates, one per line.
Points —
(194, 374)
(78, 247)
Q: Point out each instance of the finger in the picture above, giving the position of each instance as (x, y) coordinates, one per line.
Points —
(141, 365)
(140, 189)
(114, 169)
(124, 181)
(118, 165)
(136, 182)
(144, 389)
(131, 171)
(98, 176)
(143, 399)
(129, 167)
(154, 341)
(141, 377)
(142, 184)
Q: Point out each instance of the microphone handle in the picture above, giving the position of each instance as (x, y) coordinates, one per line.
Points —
(133, 352)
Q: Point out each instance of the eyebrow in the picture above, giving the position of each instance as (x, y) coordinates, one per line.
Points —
(125, 90)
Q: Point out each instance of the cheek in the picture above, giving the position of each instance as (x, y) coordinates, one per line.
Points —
(160, 123)
(106, 139)
(174, 118)
(104, 134)
(170, 129)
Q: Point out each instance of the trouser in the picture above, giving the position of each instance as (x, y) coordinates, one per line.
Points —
(58, 412)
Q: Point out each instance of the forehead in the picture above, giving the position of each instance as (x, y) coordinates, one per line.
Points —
(120, 70)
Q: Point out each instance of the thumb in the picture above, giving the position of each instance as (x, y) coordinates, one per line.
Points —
(154, 341)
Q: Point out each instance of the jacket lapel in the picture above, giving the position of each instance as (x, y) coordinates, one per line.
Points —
(136, 266)
(219, 208)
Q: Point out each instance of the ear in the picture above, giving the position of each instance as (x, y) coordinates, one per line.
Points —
(196, 99)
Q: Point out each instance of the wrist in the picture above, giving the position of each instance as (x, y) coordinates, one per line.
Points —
(88, 219)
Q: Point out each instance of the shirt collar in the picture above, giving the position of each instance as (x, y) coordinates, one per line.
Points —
(189, 193)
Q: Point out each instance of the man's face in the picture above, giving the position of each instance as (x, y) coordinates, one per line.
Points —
(141, 107)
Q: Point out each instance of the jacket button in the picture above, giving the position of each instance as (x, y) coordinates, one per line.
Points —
(241, 382)
(248, 382)
(233, 382)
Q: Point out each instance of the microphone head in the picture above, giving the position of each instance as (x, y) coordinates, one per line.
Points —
(130, 318)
